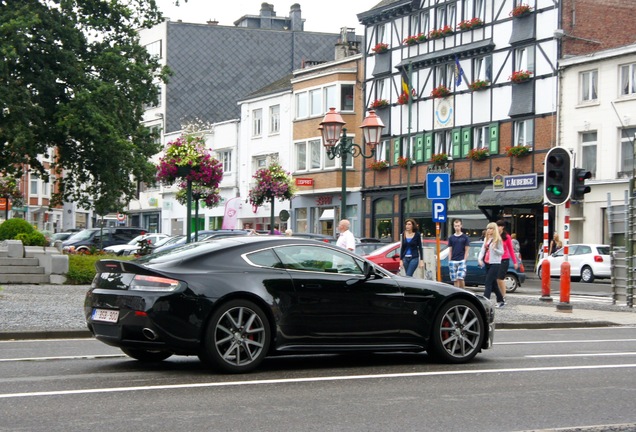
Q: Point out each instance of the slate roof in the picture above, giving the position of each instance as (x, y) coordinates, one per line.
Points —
(215, 66)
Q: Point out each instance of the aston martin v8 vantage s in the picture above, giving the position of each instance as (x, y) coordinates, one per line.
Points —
(234, 301)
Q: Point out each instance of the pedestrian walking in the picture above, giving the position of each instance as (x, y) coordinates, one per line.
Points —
(508, 254)
(346, 240)
(490, 256)
(458, 247)
(412, 251)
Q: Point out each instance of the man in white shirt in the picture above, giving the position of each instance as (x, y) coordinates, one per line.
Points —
(346, 240)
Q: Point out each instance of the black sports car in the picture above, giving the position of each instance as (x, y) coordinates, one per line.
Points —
(234, 301)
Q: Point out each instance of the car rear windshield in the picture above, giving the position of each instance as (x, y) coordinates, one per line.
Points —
(603, 250)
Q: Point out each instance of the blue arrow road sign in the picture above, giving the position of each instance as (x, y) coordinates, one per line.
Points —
(439, 210)
(438, 186)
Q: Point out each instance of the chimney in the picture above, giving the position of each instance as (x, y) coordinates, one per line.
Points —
(212, 22)
(267, 12)
(296, 18)
(347, 45)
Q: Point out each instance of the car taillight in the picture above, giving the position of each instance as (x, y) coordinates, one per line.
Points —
(598, 258)
(153, 283)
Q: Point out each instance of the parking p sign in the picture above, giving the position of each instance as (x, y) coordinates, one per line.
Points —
(439, 210)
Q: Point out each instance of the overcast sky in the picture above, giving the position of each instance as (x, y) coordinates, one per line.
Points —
(319, 15)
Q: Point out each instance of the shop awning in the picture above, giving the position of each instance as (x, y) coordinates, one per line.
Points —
(510, 198)
(327, 214)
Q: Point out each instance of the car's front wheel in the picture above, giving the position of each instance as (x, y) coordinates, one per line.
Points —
(458, 332)
(587, 275)
(237, 337)
(511, 282)
(146, 356)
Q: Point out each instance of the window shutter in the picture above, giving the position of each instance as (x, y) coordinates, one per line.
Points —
(457, 143)
(396, 150)
(428, 146)
(494, 138)
(419, 148)
(467, 137)
(387, 152)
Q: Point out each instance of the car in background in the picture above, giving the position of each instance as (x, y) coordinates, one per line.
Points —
(236, 300)
(388, 256)
(366, 248)
(202, 235)
(587, 262)
(61, 236)
(320, 237)
(86, 239)
(132, 246)
(475, 275)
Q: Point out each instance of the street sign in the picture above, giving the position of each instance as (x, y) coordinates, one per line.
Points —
(438, 186)
(439, 210)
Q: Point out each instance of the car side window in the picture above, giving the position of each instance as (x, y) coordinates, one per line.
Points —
(317, 259)
(581, 250)
(394, 252)
(265, 258)
(473, 253)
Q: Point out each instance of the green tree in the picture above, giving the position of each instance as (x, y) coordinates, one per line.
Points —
(73, 84)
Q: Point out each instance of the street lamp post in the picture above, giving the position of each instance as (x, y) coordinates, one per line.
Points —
(334, 138)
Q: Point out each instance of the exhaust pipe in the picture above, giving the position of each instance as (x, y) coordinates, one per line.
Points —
(149, 334)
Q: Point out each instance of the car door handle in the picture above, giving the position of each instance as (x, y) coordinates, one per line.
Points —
(312, 286)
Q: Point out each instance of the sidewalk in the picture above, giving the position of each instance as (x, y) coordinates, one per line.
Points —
(57, 311)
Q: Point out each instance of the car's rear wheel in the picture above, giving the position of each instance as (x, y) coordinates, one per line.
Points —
(237, 338)
(146, 356)
(587, 275)
(458, 332)
(511, 282)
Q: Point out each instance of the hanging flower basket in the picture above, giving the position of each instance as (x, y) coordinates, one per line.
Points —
(379, 165)
(518, 151)
(379, 103)
(272, 182)
(470, 24)
(520, 76)
(439, 159)
(380, 48)
(403, 161)
(520, 11)
(439, 33)
(478, 154)
(440, 92)
(478, 85)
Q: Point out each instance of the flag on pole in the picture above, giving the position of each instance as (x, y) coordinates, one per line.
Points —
(406, 81)
(458, 72)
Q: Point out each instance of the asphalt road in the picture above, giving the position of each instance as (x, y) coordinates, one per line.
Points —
(530, 380)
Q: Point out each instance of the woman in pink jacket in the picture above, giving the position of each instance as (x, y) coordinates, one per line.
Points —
(509, 254)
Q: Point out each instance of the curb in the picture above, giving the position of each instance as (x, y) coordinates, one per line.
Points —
(46, 334)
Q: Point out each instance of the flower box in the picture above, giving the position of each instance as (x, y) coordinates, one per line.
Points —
(478, 85)
(380, 48)
(470, 24)
(379, 165)
(440, 91)
(439, 33)
(403, 161)
(379, 103)
(414, 39)
(518, 151)
(403, 98)
(439, 159)
(520, 11)
(478, 154)
(520, 76)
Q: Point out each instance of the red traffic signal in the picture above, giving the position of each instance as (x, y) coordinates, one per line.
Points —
(579, 189)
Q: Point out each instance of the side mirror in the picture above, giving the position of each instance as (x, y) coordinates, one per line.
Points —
(369, 271)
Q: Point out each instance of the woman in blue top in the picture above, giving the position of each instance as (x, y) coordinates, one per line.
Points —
(411, 252)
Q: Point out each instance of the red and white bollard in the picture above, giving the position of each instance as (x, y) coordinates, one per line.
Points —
(564, 305)
(545, 265)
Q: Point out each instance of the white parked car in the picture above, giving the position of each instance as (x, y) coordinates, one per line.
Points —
(587, 262)
(132, 246)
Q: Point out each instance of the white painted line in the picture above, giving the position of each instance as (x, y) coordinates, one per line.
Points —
(306, 380)
(563, 341)
(614, 354)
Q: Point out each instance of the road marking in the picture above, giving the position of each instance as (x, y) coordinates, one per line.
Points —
(563, 341)
(614, 354)
(306, 380)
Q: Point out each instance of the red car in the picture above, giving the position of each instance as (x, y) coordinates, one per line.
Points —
(388, 257)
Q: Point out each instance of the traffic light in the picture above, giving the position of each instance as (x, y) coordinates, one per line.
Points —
(557, 179)
(579, 175)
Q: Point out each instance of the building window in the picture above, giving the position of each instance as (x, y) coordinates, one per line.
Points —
(260, 162)
(408, 149)
(154, 49)
(445, 75)
(34, 190)
(482, 68)
(315, 153)
(588, 147)
(473, 9)
(225, 157)
(301, 220)
(331, 98)
(315, 102)
(257, 122)
(425, 21)
(589, 83)
(446, 15)
(443, 143)
(627, 150)
(481, 137)
(302, 108)
(524, 59)
(381, 33)
(524, 133)
(274, 119)
(301, 156)
(382, 89)
(628, 79)
(382, 151)
(346, 97)
(46, 188)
